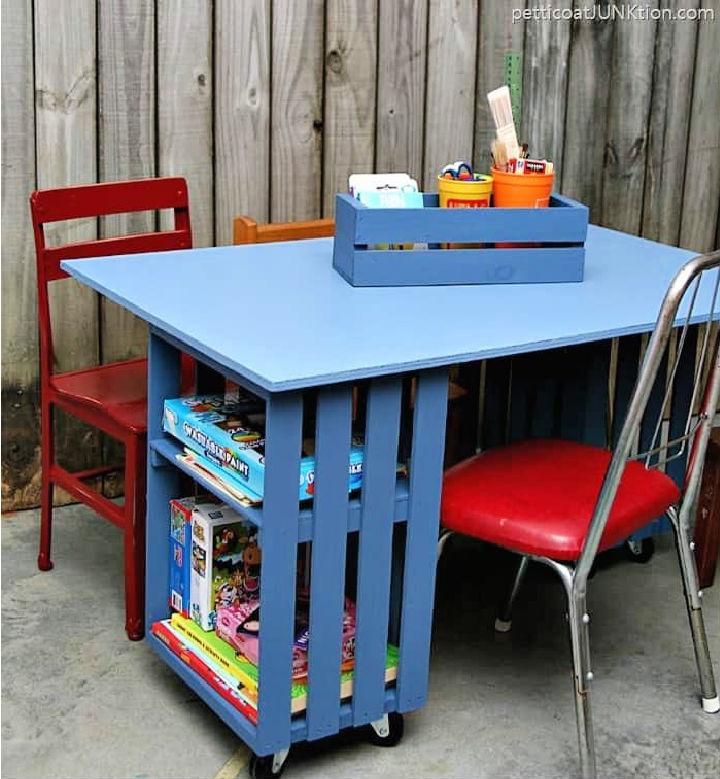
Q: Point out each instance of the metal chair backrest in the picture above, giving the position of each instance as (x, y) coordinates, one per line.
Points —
(699, 421)
(246, 230)
(95, 200)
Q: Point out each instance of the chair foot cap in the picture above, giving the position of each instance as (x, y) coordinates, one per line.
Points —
(711, 705)
(501, 626)
(45, 563)
(135, 629)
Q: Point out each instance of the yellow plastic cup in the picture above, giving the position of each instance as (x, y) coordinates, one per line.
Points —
(475, 193)
(456, 193)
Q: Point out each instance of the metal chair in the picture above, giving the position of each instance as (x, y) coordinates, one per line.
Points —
(560, 503)
(110, 397)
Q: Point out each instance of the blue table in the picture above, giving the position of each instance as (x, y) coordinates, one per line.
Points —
(278, 320)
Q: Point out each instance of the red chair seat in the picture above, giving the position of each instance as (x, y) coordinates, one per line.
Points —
(118, 389)
(537, 497)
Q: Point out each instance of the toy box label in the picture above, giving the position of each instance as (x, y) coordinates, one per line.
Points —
(456, 202)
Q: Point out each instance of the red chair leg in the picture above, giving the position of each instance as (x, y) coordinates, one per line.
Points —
(135, 538)
(47, 445)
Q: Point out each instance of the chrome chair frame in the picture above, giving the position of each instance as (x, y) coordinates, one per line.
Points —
(574, 577)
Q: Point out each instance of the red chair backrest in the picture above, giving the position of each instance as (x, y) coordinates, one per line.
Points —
(95, 200)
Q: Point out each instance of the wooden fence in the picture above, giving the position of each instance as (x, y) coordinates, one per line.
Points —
(266, 106)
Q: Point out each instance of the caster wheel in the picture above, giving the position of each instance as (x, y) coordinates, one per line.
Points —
(395, 730)
(640, 551)
(262, 767)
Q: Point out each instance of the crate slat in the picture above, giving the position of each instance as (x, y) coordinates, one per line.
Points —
(279, 559)
(422, 530)
(327, 591)
(375, 544)
(466, 266)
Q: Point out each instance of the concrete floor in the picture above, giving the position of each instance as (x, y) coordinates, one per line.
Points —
(79, 701)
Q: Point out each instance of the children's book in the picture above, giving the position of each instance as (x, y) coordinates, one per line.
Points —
(217, 478)
(245, 672)
(218, 651)
(205, 670)
(300, 690)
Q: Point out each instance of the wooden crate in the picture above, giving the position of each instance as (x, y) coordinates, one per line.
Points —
(551, 244)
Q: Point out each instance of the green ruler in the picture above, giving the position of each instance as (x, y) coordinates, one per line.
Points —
(513, 78)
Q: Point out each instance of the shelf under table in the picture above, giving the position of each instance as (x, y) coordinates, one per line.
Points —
(234, 718)
(168, 449)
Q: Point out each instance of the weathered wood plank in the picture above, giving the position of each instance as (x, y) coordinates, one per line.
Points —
(350, 94)
(588, 91)
(544, 88)
(401, 86)
(20, 437)
(66, 143)
(296, 129)
(669, 124)
(242, 113)
(630, 84)
(126, 137)
(701, 191)
(451, 69)
(625, 151)
(498, 36)
(184, 107)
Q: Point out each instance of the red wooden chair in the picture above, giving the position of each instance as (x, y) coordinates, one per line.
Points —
(110, 397)
(559, 502)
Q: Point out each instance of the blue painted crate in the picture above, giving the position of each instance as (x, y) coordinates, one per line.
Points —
(556, 238)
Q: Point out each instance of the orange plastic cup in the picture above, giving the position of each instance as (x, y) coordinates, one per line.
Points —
(517, 190)
(521, 190)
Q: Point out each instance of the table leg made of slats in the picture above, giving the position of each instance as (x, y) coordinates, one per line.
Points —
(394, 586)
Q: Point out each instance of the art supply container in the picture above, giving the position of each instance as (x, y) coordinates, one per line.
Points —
(459, 193)
(516, 190)
(474, 193)
(520, 190)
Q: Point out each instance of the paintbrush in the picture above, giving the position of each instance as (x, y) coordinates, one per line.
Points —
(500, 155)
(501, 109)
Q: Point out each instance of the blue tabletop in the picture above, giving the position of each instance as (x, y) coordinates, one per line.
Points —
(280, 316)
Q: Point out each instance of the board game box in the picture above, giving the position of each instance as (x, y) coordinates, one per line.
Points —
(181, 510)
(225, 562)
(234, 441)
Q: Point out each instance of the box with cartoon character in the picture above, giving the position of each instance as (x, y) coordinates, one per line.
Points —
(225, 562)
(239, 625)
(231, 439)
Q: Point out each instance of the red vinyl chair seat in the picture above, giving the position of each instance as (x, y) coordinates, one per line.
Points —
(118, 389)
(537, 497)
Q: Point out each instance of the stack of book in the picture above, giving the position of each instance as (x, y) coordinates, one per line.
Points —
(232, 675)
